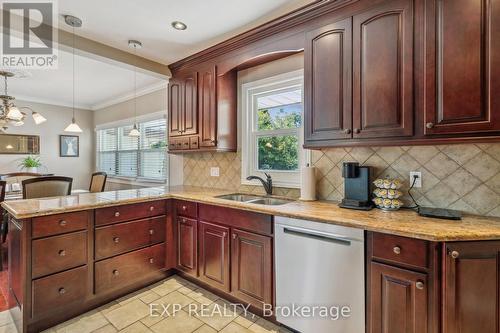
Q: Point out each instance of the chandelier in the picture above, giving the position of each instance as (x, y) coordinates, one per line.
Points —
(11, 114)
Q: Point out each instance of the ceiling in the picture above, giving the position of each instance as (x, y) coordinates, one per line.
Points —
(96, 82)
(209, 22)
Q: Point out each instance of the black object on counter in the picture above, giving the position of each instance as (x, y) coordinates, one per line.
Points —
(356, 186)
(440, 213)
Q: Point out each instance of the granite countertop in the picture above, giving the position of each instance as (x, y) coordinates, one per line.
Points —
(404, 222)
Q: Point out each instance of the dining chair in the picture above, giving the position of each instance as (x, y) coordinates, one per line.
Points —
(98, 182)
(50, 186)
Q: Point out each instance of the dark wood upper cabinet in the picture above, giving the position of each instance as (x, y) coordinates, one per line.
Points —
(175, 106)
(398, 300)
(251, 268)
(383, 71)
(462, 66)
(187, 245)
(471, 288)
(327, 82)
(190, 112)
(213, 260)
(208, 107)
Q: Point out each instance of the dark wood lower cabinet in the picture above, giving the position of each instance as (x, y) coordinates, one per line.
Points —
(471, 287)
(251, 267)
(398, 300)
(213, 262)
(187, 245)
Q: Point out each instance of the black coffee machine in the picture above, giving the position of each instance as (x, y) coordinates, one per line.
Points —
(356, 186)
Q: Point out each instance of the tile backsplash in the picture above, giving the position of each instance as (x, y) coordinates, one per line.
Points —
(465, 177)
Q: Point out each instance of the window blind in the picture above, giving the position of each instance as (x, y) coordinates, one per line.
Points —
(141, 157)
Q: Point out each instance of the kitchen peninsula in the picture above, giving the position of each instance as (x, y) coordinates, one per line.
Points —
(113, 243)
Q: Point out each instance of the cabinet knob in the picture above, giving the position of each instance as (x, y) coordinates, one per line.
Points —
(357, 130)
(151, 231)
(62, 291)
(429, 125)
(115, 272)
(151, 208)
(62, 223)
(419, 285)
(234, 236)
(396, 250)
(224, 234)
(117, 214)
(184, 220)
(184, 207)
(347, 131)
(116, 239)
(151, 261)
(454, 254)
(62, 253)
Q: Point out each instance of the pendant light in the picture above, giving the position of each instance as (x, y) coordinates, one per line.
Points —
(135, 131)
(74, 22)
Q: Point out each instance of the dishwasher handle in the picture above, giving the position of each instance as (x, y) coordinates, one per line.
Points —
(317, 235)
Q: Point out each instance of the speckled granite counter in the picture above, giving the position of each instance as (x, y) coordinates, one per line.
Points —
(403, 222)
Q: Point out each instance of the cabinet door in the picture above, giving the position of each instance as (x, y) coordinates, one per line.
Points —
(328, 73)
(214, 255)
(397, 300)
(175, 107)
(251, 268)
(187, 245)
(208, 107)
(471, 288)
(383, 71)
(190, 112)
(462, 66)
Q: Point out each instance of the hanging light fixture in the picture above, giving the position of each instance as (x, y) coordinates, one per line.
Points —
(74, 22)
(11, 114)
(135, 44)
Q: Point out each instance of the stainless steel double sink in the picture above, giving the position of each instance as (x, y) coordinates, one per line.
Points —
(254, 199)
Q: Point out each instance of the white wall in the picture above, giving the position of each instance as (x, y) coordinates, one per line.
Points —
(58, 117)
(146, 104)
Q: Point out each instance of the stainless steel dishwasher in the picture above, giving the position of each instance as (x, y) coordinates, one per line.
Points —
(319, 267)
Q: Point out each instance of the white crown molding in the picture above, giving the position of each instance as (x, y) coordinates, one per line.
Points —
(128, 96)
(49, 101)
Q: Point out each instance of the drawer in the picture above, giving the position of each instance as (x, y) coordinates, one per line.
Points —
(59, 290)
(57, 253)
(110, 215)
(403, 250)
(236, 218)
(184, 142)
(44, 226)
(123, 270)
(186, 208)
(194, 142)
(123, 237)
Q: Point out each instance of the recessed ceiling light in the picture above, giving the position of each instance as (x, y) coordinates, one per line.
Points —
(179, 25)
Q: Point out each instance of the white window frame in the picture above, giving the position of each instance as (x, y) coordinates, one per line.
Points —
(249, 94)
(141, 181)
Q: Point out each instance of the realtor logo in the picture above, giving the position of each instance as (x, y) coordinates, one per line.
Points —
(28, 34)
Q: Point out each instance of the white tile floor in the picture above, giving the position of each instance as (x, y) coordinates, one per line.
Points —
(151, 310)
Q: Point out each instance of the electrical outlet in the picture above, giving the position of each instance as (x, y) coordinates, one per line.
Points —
(418, 181)
(214, 171)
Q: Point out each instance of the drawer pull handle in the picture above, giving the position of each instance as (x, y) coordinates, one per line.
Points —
(62, 253)
(115, 272)
(116, 239)
(117, 214)
(184, 207)
(396, 250)
(151, 261)
(419, 285)
(454, 254)
(151, 231)
(151, 208)
(62, 291)
(62, 223)
(234, 236)
(224, 234)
